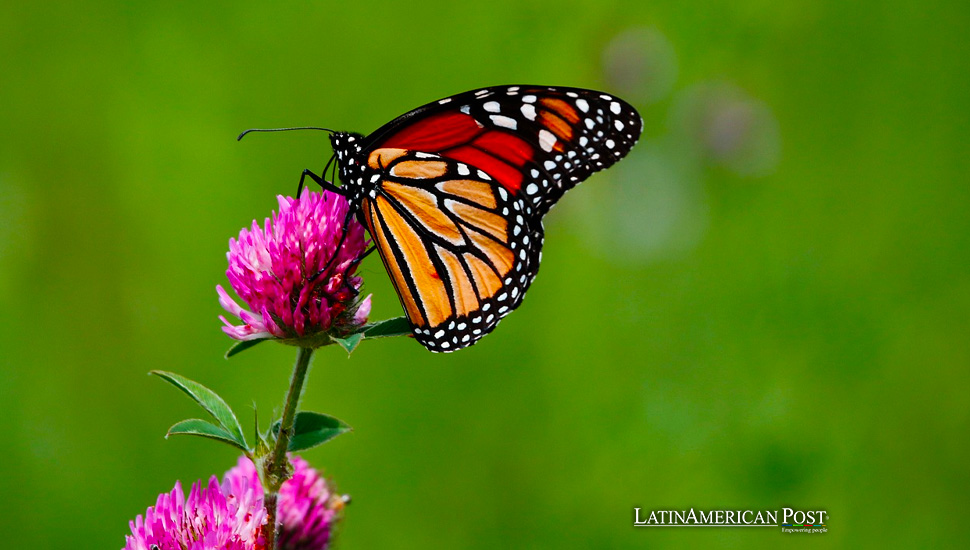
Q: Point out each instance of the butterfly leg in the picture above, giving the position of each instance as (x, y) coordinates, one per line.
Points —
(340, 242)
(360, 258)
(354, 264)
(319, 181)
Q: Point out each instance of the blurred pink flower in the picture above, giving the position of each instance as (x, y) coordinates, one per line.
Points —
(307, 509)
(232, 516)
(272, 269)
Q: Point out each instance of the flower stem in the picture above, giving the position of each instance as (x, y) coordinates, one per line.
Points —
(277, 467)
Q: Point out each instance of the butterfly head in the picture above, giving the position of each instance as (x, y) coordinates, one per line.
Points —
(347, 147)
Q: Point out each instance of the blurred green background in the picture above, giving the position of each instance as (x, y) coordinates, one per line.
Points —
(765, 305)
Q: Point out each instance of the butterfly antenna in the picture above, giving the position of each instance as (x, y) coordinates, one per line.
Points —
(284, 130)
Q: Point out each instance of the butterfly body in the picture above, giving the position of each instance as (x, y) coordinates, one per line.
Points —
(453, 194)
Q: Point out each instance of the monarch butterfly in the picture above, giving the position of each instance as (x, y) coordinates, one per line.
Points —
(453, 194)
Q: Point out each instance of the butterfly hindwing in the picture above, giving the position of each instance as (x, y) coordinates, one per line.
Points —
(537, 142)
(459, 248)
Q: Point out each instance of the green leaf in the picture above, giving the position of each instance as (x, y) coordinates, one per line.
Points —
(262, 446)
(209, 401)
(387, 328)
(240, 347)
(311, 429)
(202, 428)
(350, 342)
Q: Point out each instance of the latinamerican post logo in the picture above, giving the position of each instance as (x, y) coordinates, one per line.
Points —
(792, 520)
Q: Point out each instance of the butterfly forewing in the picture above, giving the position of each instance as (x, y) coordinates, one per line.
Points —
(458, 247)
(537, 142)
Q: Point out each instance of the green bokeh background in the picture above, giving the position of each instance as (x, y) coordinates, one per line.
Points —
(806, 345)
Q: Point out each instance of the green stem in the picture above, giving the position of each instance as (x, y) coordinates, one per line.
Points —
(277, 467)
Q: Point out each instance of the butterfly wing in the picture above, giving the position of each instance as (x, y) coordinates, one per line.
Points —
(458, 247)
(537, 142)
(457, 189)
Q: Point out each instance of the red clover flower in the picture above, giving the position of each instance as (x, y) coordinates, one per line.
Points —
(231, 516)
(277, 270)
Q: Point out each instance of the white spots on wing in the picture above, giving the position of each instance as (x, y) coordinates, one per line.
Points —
(615, 108)
(549, 165)
(439, 334)
(610, 144)
(589, 123)
(482, 93)
(606, 97)
(463, 169)
(503, 193)
(529, 98)
(375, 177)
(492, 107)
(546, 140)
(484, 176)
(504, 121)
(572, 94)
(583, 141)
(529, 111)
(421, 155)
(618, 124)
(534, 173)
(532, 189)
(583, 106)
(465, 109)
(445, 100)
